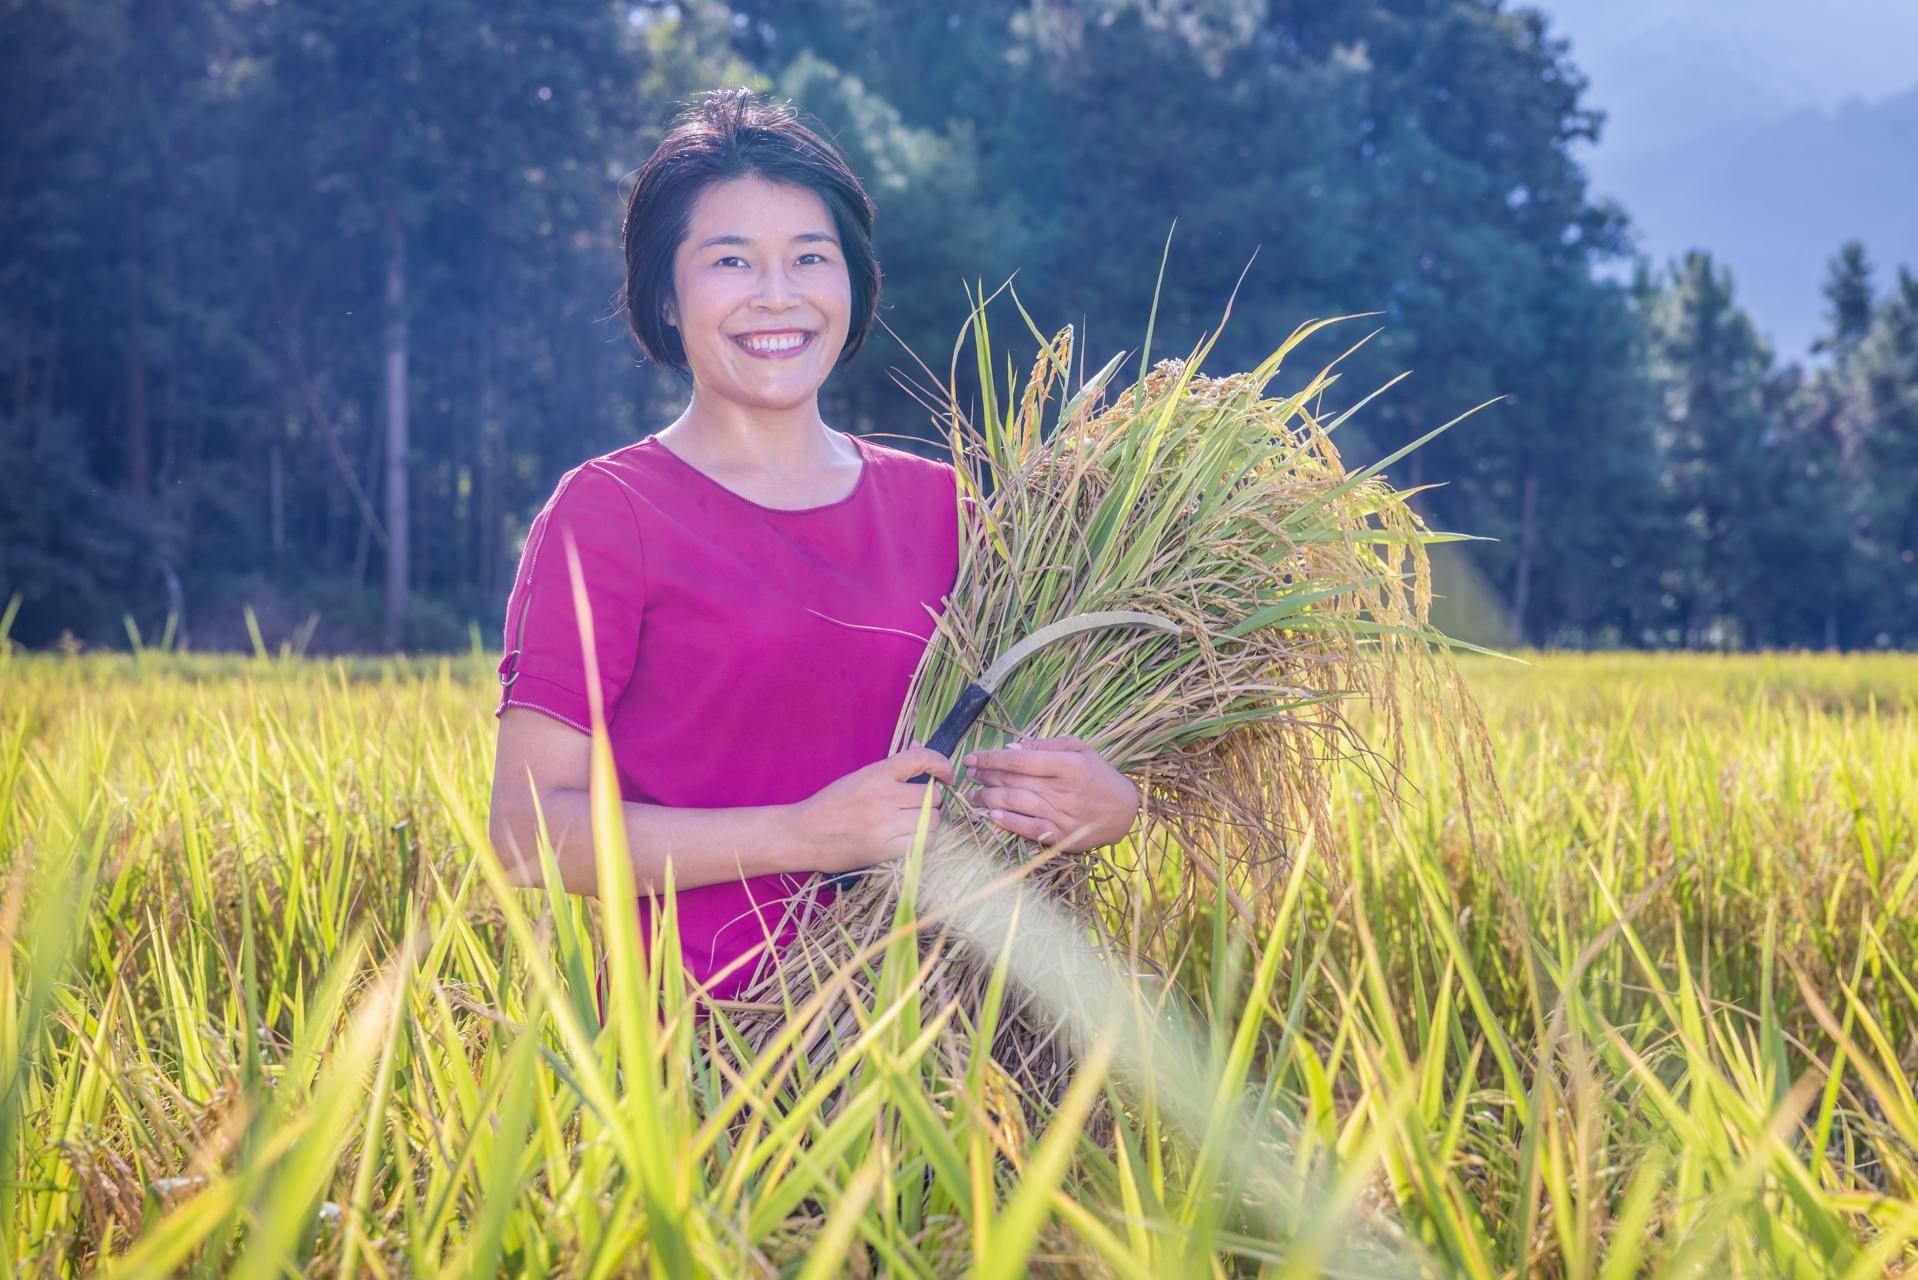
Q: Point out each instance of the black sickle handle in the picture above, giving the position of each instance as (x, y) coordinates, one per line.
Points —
(965, 709)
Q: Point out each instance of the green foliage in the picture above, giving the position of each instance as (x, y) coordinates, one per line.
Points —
(1884, 379)
(194, 228)
(1710, 367)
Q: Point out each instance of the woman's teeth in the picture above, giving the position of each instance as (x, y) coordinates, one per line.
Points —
(782, 345)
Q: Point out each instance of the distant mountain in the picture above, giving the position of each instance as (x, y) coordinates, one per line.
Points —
(1655, 87)
(1767, 131)
(1774, 198)
(1666, 67)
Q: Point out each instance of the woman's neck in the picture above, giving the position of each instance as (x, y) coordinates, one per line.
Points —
(730, 438)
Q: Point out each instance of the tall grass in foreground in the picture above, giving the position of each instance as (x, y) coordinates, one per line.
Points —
(261, 1008)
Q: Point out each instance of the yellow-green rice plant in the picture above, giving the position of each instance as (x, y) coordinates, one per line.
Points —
(1300, 589)
(264, 1005)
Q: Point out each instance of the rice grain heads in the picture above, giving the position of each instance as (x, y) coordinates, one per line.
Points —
(1301, 591)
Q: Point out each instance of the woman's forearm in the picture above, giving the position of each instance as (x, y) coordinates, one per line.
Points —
(705, 846)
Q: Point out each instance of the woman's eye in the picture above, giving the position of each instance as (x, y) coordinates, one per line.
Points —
(733, 257)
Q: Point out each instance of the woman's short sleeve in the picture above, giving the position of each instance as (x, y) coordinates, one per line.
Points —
(545, 663)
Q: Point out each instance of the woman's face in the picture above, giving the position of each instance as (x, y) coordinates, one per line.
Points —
(760, 258)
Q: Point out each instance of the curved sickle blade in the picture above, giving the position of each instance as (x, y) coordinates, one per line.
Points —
(1065, 627)
(973, 698)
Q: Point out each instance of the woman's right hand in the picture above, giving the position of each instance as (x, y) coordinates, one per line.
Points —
(871, 814)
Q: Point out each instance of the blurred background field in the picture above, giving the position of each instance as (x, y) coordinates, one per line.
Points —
(310, 304)
(1661, 1016)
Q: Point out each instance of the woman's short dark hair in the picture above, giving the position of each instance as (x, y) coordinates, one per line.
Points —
(718, 135)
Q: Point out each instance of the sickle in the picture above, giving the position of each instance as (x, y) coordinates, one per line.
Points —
(973, 698)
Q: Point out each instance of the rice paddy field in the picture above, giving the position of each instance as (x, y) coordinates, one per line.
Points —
(268, 1008)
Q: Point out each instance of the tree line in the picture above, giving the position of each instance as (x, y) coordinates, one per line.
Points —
(308, 305)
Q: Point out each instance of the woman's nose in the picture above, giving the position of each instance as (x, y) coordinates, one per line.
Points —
(776, 286)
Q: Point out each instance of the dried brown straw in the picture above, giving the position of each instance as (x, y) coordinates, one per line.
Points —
(1301, 589)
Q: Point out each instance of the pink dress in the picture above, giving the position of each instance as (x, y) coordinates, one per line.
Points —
(747, 655)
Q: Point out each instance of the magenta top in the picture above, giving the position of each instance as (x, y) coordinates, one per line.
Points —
(747, 655)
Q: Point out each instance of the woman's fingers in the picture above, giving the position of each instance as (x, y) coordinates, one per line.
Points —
(1018, 799)
(1021, 811)
(1041, 761)
(993, 777)
(1044, 830)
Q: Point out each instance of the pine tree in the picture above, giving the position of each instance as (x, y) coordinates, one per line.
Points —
(1847, 288)
(1712, 369)
(1799, 527)
(1885, 386)
(1824, 413)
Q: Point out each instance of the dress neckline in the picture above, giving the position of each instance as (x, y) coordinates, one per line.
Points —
(859, 485)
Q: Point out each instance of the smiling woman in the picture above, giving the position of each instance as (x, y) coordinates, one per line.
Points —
(761, 584)
(783, 295)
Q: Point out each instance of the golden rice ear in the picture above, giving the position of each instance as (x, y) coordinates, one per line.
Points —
(1302, 591)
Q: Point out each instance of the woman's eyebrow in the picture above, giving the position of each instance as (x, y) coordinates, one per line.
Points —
(803, 237)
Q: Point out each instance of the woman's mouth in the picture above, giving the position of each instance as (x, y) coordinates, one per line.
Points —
(776, 346)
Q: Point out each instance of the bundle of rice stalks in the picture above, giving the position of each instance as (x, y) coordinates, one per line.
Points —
(1299, 589)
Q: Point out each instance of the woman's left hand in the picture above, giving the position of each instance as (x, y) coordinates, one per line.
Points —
(1058, 791)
